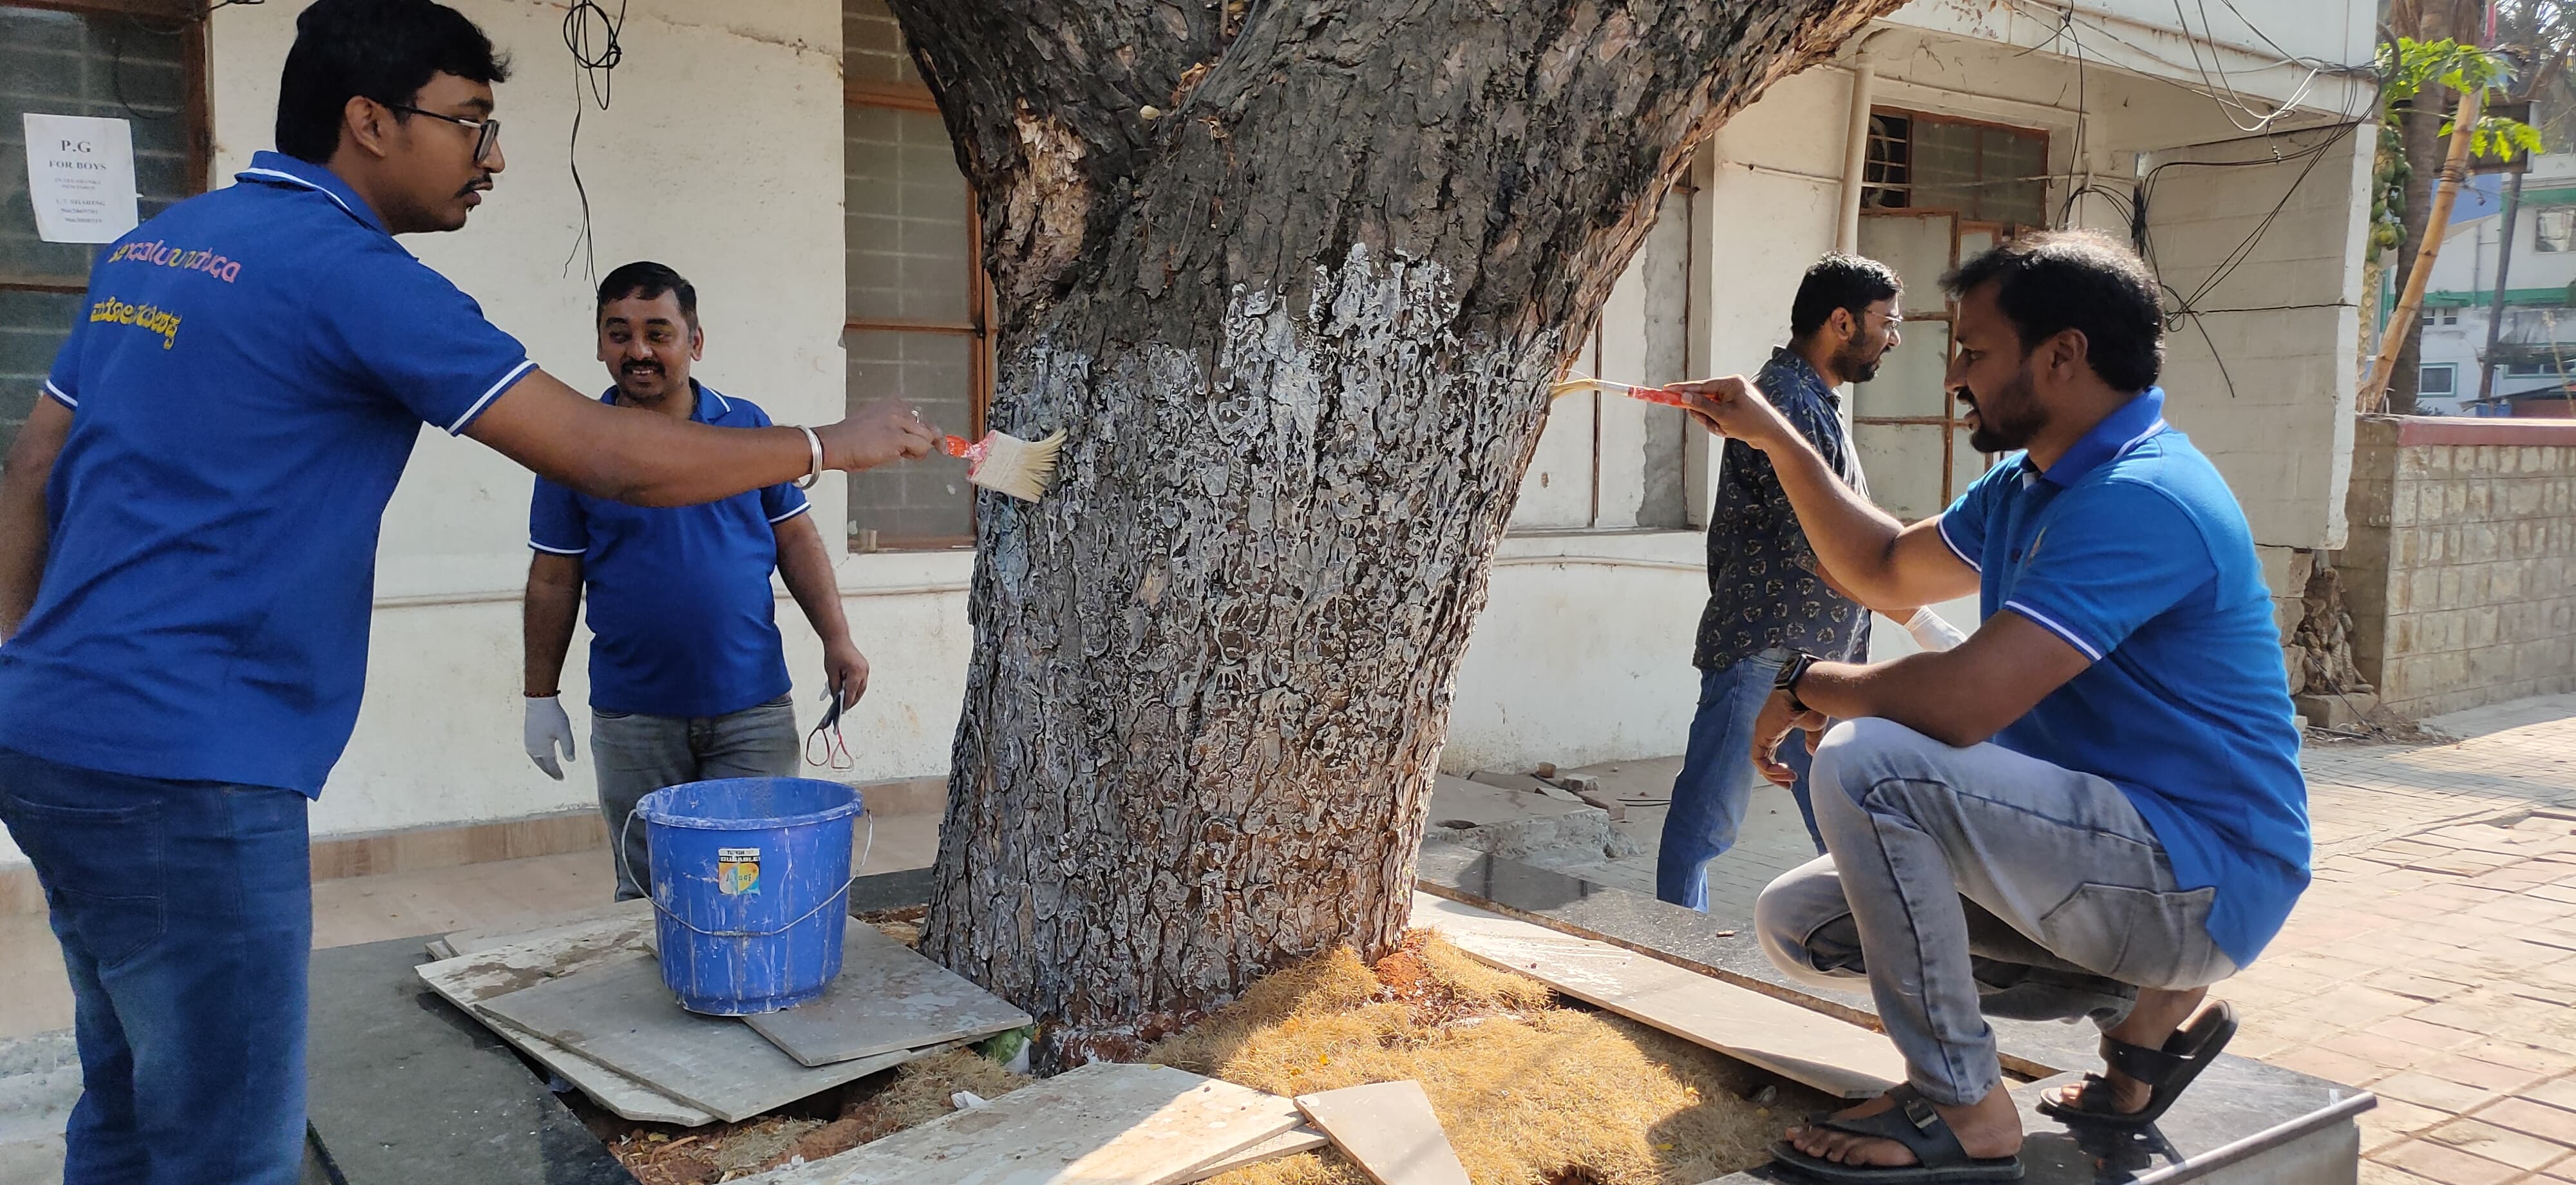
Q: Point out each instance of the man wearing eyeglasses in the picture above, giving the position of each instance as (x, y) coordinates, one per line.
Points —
(188, 525)
(1767, 597)
(688, 680)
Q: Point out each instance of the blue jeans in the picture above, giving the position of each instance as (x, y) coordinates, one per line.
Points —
(1716, 783)
(185, 913)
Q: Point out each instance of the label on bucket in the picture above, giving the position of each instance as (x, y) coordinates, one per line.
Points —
(737, 870)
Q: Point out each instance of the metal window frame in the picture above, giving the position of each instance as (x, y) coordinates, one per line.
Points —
(977, 326)
(196, 106)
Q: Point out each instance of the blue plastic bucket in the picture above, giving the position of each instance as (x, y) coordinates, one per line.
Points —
(751, 880)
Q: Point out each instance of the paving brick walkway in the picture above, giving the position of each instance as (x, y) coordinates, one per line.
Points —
(2434, 959)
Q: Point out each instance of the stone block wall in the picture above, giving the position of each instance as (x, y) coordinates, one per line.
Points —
(2460, 570)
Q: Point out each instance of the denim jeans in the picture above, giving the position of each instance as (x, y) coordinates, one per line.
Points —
(1716, 783)
(185, 913)
(636, 754)
(1963, 881)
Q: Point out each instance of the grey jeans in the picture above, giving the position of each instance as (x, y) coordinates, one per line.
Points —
(638, 754)
(1967, 881)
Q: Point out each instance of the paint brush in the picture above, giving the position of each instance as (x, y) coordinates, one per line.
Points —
(1647, 394)
(1007, 464)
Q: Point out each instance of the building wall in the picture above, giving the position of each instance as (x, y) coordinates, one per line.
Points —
(2263, 378)
(2461, 572)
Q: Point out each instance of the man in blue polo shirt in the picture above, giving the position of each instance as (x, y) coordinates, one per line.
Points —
(2098, 793)
(188, 526)
(687, 677)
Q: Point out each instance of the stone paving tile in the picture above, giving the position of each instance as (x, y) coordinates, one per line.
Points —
(2391, 1122)
(2425, 1090)
(2479, 1138)
(2560, 1093)
(2445, 1164)
(2532, 1119)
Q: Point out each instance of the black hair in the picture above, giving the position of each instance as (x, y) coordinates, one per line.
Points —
(2080, 280)
(1840, 281)
(647, 280)
(385, 50)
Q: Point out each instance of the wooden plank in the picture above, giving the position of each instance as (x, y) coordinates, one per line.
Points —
(1835, 1057)
(621, 1015)
(469, 980)
(1387, 1129)
(1303, 1139)
(1103, 1124)
(886, 998)
(466, 942)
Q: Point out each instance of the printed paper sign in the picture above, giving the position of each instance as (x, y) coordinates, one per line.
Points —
(80, 176)
(737, 870)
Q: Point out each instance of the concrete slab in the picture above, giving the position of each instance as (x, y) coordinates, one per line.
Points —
(1721, 947)
(621, 1015)
(2242, 1123)
(886, 999)
(406, 1090)
(1522, 824)
(1105, 1122)
(1834, 1056)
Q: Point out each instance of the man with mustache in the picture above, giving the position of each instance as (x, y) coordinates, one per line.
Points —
(1766, 597)
(688, 679)
(2094, 806)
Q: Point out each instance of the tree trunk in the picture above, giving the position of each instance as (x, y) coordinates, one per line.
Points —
(2401, 321)
(1294, 277)
(2422, 129)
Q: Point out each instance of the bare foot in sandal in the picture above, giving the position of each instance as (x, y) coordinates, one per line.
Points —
(2165, 1042)
(1926, 1142)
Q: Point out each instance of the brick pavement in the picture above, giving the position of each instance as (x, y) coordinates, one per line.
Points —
(2434, 958)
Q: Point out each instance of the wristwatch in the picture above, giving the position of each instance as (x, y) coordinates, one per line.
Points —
(1786, 682)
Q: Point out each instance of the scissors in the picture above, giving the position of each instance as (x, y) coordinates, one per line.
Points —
(835, 755)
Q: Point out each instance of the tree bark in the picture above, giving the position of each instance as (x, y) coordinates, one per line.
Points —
(2421, 128)
(2401, 322)
(1294, 276)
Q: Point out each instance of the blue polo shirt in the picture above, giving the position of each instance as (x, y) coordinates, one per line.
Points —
(246, 377)
(682, 619)
(2132, 550)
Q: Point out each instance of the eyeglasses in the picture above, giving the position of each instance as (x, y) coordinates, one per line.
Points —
(484, 144)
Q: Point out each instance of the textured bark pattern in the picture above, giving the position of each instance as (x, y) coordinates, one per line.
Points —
(1293, 276)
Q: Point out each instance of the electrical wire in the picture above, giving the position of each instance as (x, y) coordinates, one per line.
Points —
(591, 36)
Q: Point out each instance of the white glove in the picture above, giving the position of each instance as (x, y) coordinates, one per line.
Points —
(1931, 631)
(548, 730)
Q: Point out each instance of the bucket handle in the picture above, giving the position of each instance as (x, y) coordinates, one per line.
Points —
(627, 869)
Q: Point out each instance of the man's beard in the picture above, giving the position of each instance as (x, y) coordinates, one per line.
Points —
(2010, 419)
(1857, 363)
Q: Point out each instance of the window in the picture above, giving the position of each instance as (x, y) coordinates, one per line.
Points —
(1940, 191)
(918, 309)
(2443, 316)
(1982, 172)
(2437, 380)
(2554, 230)
(2528, 369)
(112, 62)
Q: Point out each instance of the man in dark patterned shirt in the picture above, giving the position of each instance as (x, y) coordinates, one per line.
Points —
(1766, 598)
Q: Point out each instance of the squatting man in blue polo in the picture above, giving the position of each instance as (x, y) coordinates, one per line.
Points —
(688, 680)
(188, 525)
(2092, 807)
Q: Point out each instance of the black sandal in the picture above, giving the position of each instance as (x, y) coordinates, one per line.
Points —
(2166, 1071)
(1913, 1123)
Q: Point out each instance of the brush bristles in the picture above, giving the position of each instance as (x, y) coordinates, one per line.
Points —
(1020, 468)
